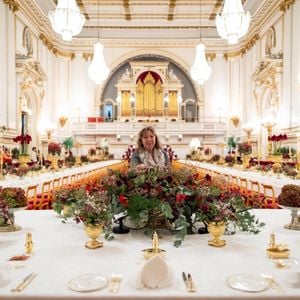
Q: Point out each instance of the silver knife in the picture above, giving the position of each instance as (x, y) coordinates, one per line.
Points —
(21, 286)
(191, 283)
(187, 283)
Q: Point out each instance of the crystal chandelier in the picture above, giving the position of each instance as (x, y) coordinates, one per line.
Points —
(66, 19)
(98, 71)
(233, 22)
(200, 71)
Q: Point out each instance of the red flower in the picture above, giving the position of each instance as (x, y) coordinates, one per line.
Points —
(123, 200)
(23, 139)
(180, 198)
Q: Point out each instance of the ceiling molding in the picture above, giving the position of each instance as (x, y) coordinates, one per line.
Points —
(54, 50)
(126, 6)
(171, 10)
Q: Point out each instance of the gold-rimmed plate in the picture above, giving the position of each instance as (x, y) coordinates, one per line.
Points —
(247, 283)
(87, 283)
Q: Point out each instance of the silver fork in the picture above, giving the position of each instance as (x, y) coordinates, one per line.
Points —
(273, 283)
(115, 282)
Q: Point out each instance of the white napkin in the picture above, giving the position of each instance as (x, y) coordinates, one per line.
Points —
(155, 273)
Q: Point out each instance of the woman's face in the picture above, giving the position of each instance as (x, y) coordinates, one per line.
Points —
(148, 140)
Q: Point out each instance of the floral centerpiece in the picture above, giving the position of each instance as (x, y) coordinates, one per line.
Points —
(173, 199)
(65, 199)
(54, 148)
(6, 216)
(290, 196)
(244, 148)
(94, 209)
(24, 140)
(276, 140)
(14, 197)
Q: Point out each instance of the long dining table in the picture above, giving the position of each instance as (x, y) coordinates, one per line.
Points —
(29, 180)
(277, 182)
(59, 255)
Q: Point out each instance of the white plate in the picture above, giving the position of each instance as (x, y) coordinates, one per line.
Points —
(247, 282)
(87, 283)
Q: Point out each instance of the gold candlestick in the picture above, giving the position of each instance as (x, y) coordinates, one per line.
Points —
(276, 251)
(148, 253)
(29, 243)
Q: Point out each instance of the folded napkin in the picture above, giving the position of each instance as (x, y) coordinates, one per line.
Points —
(155, 273)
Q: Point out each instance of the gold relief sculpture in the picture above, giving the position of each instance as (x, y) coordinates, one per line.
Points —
(270, 41)
(285, 5)
(235, 121)
(12, 4)
(62, 121)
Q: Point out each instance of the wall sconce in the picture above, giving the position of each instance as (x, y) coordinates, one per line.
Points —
(131, 137)
(62, 121)
(118, 137)
(167, 137)
(179, 137)
(235, 120)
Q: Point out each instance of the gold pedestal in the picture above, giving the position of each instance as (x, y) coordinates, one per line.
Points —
(93, 231)
(216, 229)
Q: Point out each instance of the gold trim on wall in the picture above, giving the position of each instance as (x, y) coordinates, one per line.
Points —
(12, 4)
(243, 50)
(285, 5)
(55, 51)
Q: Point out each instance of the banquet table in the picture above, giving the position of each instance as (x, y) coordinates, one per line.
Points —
(269, 179)
(14, 181)
(60, 255)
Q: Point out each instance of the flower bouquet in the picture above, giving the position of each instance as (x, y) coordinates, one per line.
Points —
(54, 148)
(14, 197)
(155, 198)
(65, 199)
(94, 209)
(24, 140)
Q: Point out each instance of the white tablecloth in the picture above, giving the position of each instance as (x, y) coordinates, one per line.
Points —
(270, 179)
(39, 179)
(60, 255)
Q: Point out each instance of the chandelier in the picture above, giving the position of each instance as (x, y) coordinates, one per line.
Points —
(66, 19)
(200, 71)
(98, 71)
(233, 22)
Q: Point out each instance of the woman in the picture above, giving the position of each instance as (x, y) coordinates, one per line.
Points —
(149, 152)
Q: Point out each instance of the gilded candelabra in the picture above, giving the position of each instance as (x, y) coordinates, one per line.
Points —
(269, 124)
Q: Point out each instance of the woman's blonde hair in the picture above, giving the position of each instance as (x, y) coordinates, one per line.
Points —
(142, 132)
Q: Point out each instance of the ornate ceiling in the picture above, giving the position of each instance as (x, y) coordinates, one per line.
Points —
(155, 19)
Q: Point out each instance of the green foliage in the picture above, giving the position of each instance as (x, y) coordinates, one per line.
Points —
(15, 153)
(68, 143)
(232, 142)
(14, 197)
